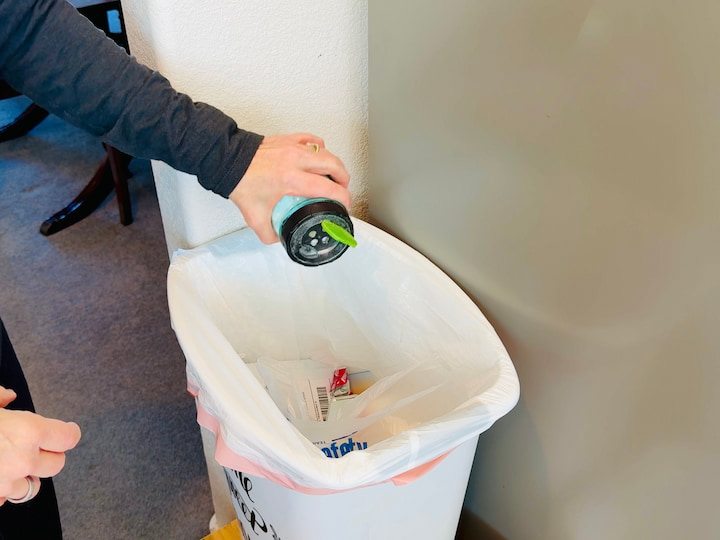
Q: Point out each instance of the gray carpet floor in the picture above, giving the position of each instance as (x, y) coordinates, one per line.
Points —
(86, 310)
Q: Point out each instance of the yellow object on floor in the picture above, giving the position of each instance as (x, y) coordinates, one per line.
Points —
(231, 531)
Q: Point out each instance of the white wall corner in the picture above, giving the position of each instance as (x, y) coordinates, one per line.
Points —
(275, 68)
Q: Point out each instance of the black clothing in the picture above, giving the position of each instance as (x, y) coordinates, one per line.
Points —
(38, 518)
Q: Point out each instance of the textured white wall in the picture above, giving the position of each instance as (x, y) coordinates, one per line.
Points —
(275, 67)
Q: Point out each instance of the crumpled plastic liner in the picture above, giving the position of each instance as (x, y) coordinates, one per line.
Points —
(447, 377)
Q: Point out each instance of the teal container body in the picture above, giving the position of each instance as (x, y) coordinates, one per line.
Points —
(285, 207)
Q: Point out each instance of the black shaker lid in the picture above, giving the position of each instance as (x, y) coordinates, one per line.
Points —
(304, 238)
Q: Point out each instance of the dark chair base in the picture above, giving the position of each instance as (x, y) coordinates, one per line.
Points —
(27, 120)
(112, 174)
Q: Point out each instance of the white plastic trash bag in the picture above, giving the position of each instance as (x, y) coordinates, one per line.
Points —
(443, 375)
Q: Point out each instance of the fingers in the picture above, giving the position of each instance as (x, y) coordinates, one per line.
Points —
(265, 233)
(20, 488)
(326, 164)
(7, 396)
(309, 138)
(28, 431)
(314, 185)
(299, 151)
(20, 463)
(57, 436)
(293, 138)
(46, 464)
(31, 445)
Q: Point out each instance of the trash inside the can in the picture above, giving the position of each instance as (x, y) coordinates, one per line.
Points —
(360, 381)
(340, 383)
(305, 389)
(309, 392)
(299, 388)
(301, 391)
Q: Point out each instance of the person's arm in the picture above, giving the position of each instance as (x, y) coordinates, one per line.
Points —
(55, 56)
(58, 58)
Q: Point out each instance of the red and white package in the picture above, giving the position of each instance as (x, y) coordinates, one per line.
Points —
(339, 384)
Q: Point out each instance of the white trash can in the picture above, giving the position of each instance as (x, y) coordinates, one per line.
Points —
(426, 509)
(443, 377)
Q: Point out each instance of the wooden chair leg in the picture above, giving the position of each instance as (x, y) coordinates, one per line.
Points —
(118, 165)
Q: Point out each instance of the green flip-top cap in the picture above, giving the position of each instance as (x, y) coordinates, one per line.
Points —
(339, 233)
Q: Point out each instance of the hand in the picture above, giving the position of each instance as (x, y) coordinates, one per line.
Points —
(288, 165)
(30, 445)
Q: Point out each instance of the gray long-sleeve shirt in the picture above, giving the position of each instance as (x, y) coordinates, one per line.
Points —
(56, 57)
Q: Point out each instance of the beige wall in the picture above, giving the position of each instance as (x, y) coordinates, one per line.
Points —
(561, 160)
